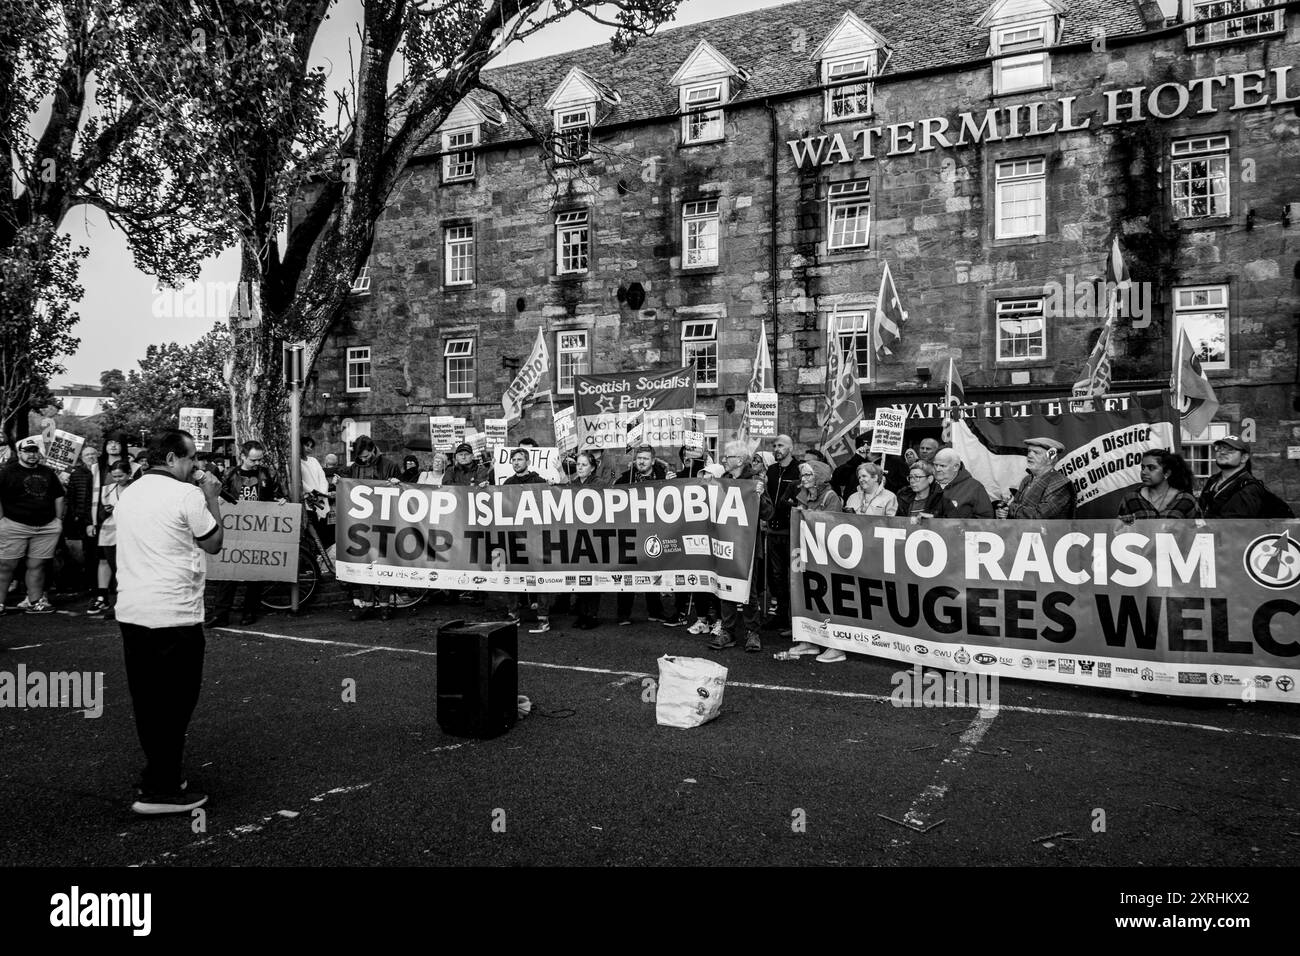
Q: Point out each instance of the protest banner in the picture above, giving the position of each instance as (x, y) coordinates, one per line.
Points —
(495, 430)
(762, 414)
(458, 427)
(887, 434)
(655, 536)
(566, 429)
(1206, 609)
(199, 422)
(605, 404)
(1103, 448)
(442, 432)
(259, 543)
(545, 461)
(62, 449)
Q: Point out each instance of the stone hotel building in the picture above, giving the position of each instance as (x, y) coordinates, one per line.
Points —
(759, 171)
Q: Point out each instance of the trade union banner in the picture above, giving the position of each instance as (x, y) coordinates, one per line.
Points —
(1103, 447)
(1204, 609)
(653, 536)
(259, 542)
(608, 406)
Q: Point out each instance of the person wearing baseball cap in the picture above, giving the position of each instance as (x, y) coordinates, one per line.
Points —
(1234, 492)
(1045, 492)
(465, 470)
(31, 519)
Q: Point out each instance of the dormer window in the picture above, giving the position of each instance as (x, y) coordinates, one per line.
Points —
(846, 98)
(699, 123)
(848, 59)
(573, 134)
(705, 82)
(1226, 31)
(460, 135)
(1024, 63)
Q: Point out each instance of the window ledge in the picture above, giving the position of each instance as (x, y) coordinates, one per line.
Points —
(560, 278)
(851, 252)
(1205, 222)
(355, 391)
(701, 142)
(1047, 88)
(458, 182)
(1021, 240)
(699, 270)
(458, 286)
(858, 117)
(1207, 44)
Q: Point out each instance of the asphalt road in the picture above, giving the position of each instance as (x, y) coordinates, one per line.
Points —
(1057, 776)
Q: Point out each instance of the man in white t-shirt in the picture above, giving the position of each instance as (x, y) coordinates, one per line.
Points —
(165, 520)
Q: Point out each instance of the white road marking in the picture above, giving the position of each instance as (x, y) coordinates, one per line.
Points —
(249, 828)
(852, 695)
(919, 815)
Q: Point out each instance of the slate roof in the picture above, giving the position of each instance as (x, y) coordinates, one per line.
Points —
(921, 33)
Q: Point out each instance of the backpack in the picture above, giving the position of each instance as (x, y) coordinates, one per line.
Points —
(1271, 506)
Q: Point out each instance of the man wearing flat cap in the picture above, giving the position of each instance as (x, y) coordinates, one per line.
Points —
(1045, 492)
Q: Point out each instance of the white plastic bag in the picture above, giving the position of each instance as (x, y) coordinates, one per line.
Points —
(690, 691)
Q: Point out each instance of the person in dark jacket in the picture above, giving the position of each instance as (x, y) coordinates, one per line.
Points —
(540, 602)
(922, 496)
(586, 606)
(80, 519)
(782, 490)
(253, 480)
(1234, 492)
(645, 467)
(368, 463)
(1045, 492)
(963, 496)
(465, 470)
(749, 614)
(410, 470)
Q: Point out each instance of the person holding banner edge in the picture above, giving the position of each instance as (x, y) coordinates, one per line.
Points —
(816, 494)
(1044, 492)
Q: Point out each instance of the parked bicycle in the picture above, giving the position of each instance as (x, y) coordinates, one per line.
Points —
(316, 565)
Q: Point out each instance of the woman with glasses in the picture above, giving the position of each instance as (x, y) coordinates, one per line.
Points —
(921, 497)
(1166, 490)
(872, 498)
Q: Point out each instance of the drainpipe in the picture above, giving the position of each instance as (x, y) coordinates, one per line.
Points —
(772, 264)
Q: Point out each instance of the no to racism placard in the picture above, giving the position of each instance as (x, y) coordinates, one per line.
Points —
(654, 536)
(1204, 609)
(606, 406)
(199, 422)
(259, 542)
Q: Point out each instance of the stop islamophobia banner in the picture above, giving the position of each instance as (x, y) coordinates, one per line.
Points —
(609, 405)
(654, 536)
(1201, 609)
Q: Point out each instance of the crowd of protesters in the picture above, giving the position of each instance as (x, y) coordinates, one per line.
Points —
(137, 529)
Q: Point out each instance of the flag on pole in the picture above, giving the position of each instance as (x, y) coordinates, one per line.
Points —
(843, 399)
(1097, 372)
(525, 383)
(1193, 397)
(762, 380)
(954, 392)
(890, 315)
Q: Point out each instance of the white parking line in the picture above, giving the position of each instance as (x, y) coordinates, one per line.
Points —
(852, 695)
(920, 814)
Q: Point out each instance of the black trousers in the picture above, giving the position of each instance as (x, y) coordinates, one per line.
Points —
(252, 596)
(654, 605)
(164, 670)
(778, 574)
(587, 604)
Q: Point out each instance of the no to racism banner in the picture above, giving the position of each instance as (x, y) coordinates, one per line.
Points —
(1204, 609)
(655, 536)
(606, 406)
(259, 542)
(1103, 448)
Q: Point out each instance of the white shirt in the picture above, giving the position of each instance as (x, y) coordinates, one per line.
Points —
(160, 568)
(313, 479)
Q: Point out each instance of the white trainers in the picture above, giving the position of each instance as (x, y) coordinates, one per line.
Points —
(43, 606)
(543, 625)
(717, 629)
(699, 627)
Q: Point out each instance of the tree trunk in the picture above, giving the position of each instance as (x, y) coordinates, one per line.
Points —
(258, 395)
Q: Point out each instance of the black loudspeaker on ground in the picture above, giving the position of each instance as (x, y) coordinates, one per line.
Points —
(478, 678)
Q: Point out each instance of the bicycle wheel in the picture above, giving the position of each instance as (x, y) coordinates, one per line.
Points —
(276, 596)
(404, 598)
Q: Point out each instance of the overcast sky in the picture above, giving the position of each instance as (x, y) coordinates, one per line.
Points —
(117, 311)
